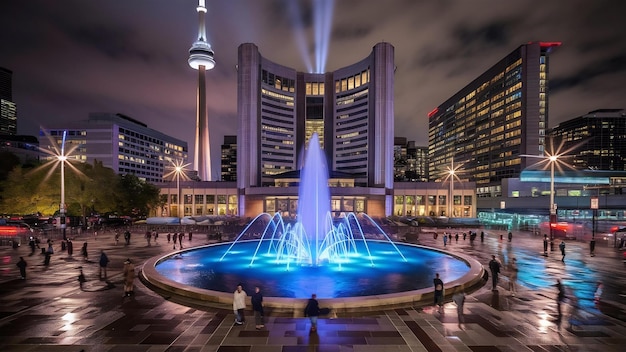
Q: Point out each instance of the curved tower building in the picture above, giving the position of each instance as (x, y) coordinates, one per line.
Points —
(351, 110)
(201, 59)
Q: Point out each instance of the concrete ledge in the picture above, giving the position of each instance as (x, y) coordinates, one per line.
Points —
(295, 306)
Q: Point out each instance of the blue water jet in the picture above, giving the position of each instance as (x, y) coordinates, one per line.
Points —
(315, 238)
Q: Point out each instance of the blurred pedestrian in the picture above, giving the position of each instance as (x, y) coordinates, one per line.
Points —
(445, 239)
(513, 277)
(257, 307)
(562, 248)
(482, 236)
(180, 239)
(70, 247)
(84, 252)
(312, 311)
(129, 278)
(494, 266)
(510, 236)
(174, 239)
(597, 296)
(190, 234)
(438, 283)
(49, 253)
(560, 298)
(545, 244)
(104, 261)
(21, 264)
(81, 277)
(459, 299)
(169, 238)
(239, 305)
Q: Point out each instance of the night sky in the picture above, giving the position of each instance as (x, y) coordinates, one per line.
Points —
(70, 58)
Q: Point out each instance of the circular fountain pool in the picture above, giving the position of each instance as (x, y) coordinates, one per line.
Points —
(383, 274)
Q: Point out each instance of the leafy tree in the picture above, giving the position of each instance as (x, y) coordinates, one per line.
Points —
(136, 197)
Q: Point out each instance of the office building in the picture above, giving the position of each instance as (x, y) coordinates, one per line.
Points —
(351, 110)
(487, 126)
(596, 140)
(229, 159)
(8, 108)
(410, 161)
(120, 142)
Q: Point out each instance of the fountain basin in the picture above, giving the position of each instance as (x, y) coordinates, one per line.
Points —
(409, 283)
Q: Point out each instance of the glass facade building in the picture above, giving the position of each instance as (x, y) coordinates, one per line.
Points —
(489, 124)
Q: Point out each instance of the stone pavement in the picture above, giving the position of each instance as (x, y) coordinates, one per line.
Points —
(49, 312)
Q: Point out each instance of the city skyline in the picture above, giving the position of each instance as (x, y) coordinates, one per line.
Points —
(131, 58)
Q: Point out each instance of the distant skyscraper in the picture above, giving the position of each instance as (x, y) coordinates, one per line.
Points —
(201, 59)
(8, 109)
(229, 159)
(488, 125)
(598, 139)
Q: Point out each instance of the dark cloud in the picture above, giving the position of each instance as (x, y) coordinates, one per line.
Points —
(609, 66)
(490, 34)
(348, 32)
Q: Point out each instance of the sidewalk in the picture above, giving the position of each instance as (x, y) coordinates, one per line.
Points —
(48, 312)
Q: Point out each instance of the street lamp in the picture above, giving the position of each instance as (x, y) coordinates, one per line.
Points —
(62, 159)
(450, 173)
(178, 170)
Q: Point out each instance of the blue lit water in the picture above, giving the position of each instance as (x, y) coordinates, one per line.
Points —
(356, 276)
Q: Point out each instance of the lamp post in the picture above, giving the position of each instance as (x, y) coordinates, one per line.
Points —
(178, 170)
(62, 159)
(451, 172)
(553, 159)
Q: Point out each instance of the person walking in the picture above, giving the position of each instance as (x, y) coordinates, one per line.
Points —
(70, 247)
(81, 277)
(312, 311)
(513, 277)
(545, 244)
(445, 239)
(510, 236)
(482, 236)
(174, 239)
(459, 299)
(257, 307)
(84, 252)
(21, 264)
(438, 283)
(494, 266)
(104, 261)
(239, 304)
(129, 278)
(181, 236)
(169, 238)
(560, 298)
(562, 248)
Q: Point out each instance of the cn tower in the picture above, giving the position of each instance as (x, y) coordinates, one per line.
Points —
(201, 59)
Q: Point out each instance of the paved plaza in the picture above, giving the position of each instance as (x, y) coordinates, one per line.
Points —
(49, 312)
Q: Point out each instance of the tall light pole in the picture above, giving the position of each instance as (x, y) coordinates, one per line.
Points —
(450, 174)
(178, 169)
(62, 159)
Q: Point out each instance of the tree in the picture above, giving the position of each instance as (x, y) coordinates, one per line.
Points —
(136, 197)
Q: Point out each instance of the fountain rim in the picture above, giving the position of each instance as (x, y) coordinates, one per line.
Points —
(218, 299)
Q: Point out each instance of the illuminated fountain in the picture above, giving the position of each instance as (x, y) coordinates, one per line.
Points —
(315, 238)
(349, 261)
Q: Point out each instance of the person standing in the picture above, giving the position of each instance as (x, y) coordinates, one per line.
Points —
(312, 311)
(239, 304)
(482, 236)
(513, 277)
(129, 278)
(445, 239)
(494, 266)
(510, 236)
(70, 247)
(545, 244)
(181, 236)
(84, 252)
(104, 261)
(81, 277)
(174, 239)
(562, 248)
(459, 299)
(257, 307)
(49, 253)
(21, 264)
(169, 238)
(438, 292)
